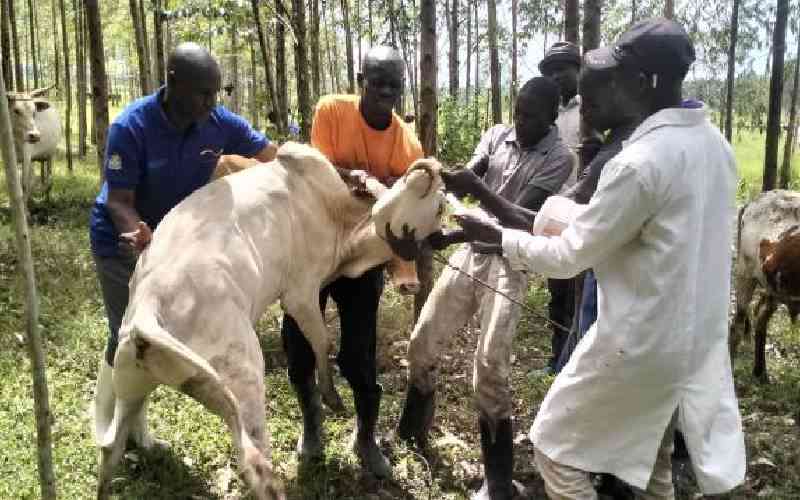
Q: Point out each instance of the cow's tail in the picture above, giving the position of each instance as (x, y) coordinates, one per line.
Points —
(739, 227)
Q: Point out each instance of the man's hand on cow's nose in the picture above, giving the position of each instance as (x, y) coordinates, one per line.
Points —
(406, 247)
(460, 182)
(136, 241)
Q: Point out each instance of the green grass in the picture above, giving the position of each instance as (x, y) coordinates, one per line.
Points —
(200, 462)
(749, 149)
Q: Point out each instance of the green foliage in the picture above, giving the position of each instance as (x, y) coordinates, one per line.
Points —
(460, 129)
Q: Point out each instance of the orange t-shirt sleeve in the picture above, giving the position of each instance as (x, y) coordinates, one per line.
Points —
(322, 131)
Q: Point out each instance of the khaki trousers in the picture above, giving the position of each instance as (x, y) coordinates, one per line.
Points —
(563, 482)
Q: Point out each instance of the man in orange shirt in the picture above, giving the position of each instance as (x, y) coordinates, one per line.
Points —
(356, 133)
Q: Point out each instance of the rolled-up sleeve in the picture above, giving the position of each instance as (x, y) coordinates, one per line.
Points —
(615, 216)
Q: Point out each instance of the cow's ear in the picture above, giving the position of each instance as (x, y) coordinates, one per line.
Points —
(766, 251)
(41, 104)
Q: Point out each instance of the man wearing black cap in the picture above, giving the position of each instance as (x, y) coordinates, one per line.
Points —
(562, 63)
(657, 233)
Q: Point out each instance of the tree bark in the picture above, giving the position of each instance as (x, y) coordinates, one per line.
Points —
(591, 24)
(734, 30)
(633, 11)
(494, 63)
(33, 38)
(348, 40)
(369, 19)
(99, 79)
(80, 76)
(56, 51)
(669, 9)
(18, 73)
(775, 94)
(571, 21)
(315, 60)
(330, 66)
(141, 57)
(262, 43)
(514, 83)
(234, 70)
(146, 39)
(452, 22)
(408, 55)
(282, 109)
(788, 147)
(158, 34)
(477, 65)
(334, 56)
(301, 67)
(67, 85)
(5, 45)
(469, 51)
(41, 398)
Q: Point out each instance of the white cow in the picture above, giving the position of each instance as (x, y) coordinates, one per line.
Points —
(768, 258)
(37, 132)
(216, 262)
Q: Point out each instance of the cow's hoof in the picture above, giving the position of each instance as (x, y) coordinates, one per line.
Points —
(333, 401)
(372, 460)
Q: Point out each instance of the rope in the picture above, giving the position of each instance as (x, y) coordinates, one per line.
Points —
(438, 258)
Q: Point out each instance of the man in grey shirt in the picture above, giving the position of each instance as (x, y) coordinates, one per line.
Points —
(522, 165)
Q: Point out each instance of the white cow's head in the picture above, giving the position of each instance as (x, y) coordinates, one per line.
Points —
(411, 210)
(23, 108)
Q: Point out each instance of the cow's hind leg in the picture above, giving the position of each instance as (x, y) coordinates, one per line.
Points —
(766, 308)
(740, 326)
(309, 319)
(112, 444)
(238, 397)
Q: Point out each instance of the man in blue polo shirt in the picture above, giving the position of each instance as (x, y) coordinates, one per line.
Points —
(160, 149)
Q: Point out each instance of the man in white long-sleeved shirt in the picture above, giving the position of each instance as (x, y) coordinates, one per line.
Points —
(657, 233)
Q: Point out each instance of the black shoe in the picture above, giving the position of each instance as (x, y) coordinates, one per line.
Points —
(498, 461)
(309, 445)
(417, 418)
(368, 405)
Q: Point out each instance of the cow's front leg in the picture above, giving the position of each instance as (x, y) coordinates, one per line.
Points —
(309, 319)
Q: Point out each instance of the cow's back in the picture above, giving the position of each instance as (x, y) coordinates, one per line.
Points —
(765, 218)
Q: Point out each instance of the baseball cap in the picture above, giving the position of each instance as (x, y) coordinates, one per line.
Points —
(656, 46)
(561, 51)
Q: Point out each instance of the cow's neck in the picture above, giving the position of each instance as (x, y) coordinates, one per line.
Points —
(363, 249)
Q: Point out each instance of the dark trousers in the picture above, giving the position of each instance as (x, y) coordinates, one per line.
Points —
(114, 274)
(357, 300)
(584, 317)
(560, 311)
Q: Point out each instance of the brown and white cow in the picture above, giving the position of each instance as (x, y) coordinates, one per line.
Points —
(768, 240)
(216, 262)
(37, 132)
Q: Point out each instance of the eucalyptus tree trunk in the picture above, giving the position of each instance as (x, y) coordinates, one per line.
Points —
(141, 53)
(56, 51)
(265, 56)
(494, 63)
(669, 9)
(731, 72)
(67, 85)
(18, 73)
(788, 147)
(282, 108)
(469, 51)
(99, 79)
(5, 46)
(158, 34)
(409, 56)
(514, 83)
(330, 68)
(315, 60)
(301, 67)
(146, 40)
(775, 94)
(452, 26)
(234, 72)
(334, 56)
(33, 37)
(253, 90)
(571, 21)
(80, 75)
(348, 40)
(477, 65)
(591, 24)
(41, 398)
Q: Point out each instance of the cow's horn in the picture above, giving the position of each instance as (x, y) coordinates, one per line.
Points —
(426, 167)
(38, 92)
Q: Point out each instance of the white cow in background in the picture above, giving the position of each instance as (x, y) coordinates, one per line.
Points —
(216, 262)
(37, 132)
